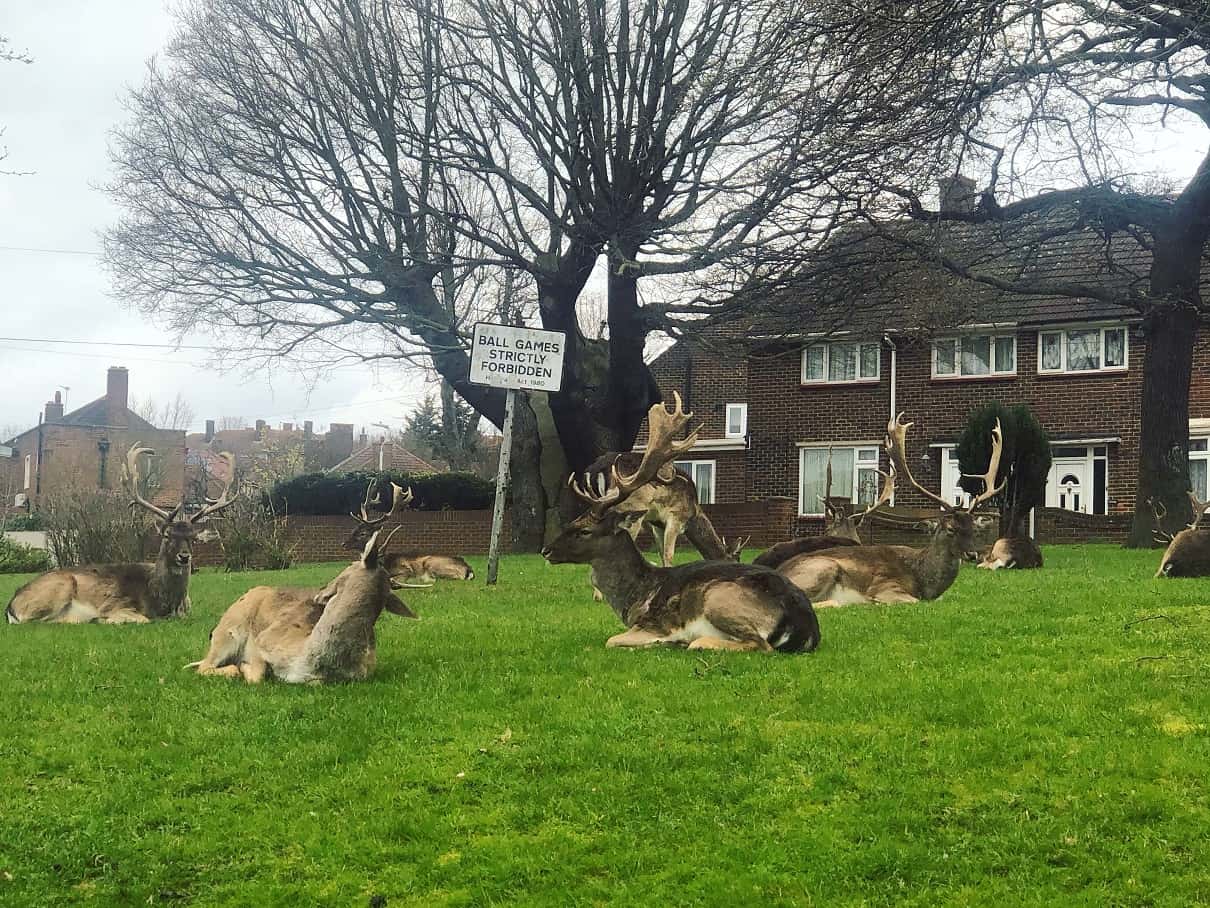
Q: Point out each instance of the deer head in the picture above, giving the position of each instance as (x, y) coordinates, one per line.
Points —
(583, 538)
(367, 525)
(956, 526)
(846, 525)
(177, 531)
(1188, 553)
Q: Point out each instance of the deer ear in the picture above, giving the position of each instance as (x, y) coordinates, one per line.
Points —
(369, 556)
(396, 606)
(666, 473)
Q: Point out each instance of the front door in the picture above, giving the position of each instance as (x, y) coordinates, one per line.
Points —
(1069, 485)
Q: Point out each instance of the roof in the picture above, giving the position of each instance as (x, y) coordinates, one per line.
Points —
(395, 458)
(96, 414)
(892, 277)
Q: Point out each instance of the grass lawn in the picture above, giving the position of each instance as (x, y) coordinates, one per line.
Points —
(1034, 738)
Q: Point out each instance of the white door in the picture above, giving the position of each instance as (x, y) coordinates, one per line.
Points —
(1069, 485)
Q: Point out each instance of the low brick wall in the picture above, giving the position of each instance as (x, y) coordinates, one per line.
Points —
(767, 521)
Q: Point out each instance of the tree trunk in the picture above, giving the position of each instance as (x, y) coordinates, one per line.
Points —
(632, 390)
(1170, 328)
(528, 512)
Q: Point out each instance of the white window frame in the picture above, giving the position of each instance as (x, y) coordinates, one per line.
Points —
(1203, 494)
(1063, 332)
(958, 374)
(708, 498)
(858, 466)
(827, 361)
(952, 491)
(29, 470)
(743, 421)
(1092, 453)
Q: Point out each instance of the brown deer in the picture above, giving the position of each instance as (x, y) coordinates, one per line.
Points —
(1188, 552)
(897, 573)
(124, 593)
(407, 569)
(1016, 552)
(306, 636)
(703, 605)
(841, 527)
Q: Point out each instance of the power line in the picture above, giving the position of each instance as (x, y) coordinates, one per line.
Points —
(51, 251)
(91, 343)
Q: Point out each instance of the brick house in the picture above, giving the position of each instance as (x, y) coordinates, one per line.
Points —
(777, 402)
(86, 449)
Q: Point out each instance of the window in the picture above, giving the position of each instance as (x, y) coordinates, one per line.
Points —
(737, 421)
(951, 475)
(975, 354)
(1083, 350)
(702, 474)
(852, 468)
(1199, 467)
(29, 464)
(841, 362)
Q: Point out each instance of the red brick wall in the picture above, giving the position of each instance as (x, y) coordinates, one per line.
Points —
(707, 382)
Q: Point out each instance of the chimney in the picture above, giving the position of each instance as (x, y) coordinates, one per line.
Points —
(209, 430)
(308, 428)
(363, 439)
(287, 427)
(54, 408)
(117, 395)
(958, 194)
(260, 428)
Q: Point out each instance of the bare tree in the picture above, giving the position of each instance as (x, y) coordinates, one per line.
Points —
(8, 55)
(1047, 114)
(174, 414)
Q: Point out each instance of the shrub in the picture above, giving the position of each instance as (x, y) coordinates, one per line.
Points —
(1025, 460)
(90, 527)
(340, 493)
(18, 558)
(23, 522)
(251, 536)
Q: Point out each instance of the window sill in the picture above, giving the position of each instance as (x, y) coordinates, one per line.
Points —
(999, 376)
(857, 382)
(1086, 373)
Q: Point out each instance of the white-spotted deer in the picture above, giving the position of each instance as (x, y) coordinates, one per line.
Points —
(301, 636)
(897, 573)
(124, 593)
(841, 527)
(1188, 553)
(408, 570)
(702, 605)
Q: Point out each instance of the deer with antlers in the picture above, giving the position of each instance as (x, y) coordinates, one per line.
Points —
(125, 593)
(1188, 552)
(841, 526)
(407, 569)
(310, 635)
(896, 573)
(703, 605)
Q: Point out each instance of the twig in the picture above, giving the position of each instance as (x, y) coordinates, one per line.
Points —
(1148, 618)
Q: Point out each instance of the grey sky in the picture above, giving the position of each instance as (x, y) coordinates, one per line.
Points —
(58, 113)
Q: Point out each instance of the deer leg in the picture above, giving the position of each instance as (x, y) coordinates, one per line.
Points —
(672, 529)
(635, 637)
(125, 616)
(891, 595)
(747, 645)
(597, 595)
(254, 669)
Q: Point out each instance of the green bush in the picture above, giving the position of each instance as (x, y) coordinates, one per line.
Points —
(1024, 461)
(23, 522)
(340, 493)
(251, 536)
(18, 558)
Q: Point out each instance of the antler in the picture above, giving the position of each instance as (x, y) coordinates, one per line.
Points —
(226, 499)
(1199, 510)
(828, 510)
(130, 479)
(399, 497)
(896, 436)
(1159, 511)
(884, 497)
(990, 489)
(661, 449)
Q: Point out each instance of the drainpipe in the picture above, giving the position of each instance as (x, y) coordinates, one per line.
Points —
(894, 365)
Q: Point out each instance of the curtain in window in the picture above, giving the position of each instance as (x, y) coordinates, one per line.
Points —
(1052, 351)
(814, 469)
(976, 355)
(842, 362)
(1083, 350)
(1115, 347)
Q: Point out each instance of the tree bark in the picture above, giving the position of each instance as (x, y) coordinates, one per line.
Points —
(528, 512)
(1170, 329)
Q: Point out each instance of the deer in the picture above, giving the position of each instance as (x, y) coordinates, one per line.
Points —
(1188, 552)
(841, 528)
(134, 593)
(1016, 552)
(410, 569)
(712, 604)
(896, 573)
(306, 636)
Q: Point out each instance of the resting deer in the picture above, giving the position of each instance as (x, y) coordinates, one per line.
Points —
(421, 570)
(302, 636)
(841, 528)
(897, 573)
(1019, 552)
(703, 605)
(124, 593)
(1188, 554)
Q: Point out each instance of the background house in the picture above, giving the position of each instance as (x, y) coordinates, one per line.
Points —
(84, 450)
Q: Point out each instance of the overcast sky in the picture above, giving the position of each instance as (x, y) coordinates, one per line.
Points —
(57, 113)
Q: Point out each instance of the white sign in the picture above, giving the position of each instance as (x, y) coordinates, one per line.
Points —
(524, 358)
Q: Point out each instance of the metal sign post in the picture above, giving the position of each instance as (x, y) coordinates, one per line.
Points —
(514, 359)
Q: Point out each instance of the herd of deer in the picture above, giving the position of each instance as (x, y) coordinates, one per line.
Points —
(309, 635)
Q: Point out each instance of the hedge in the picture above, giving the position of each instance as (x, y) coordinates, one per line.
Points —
(340, 493)
(18, 558)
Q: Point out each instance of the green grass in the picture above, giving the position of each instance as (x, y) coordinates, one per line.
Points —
(1027, 740)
